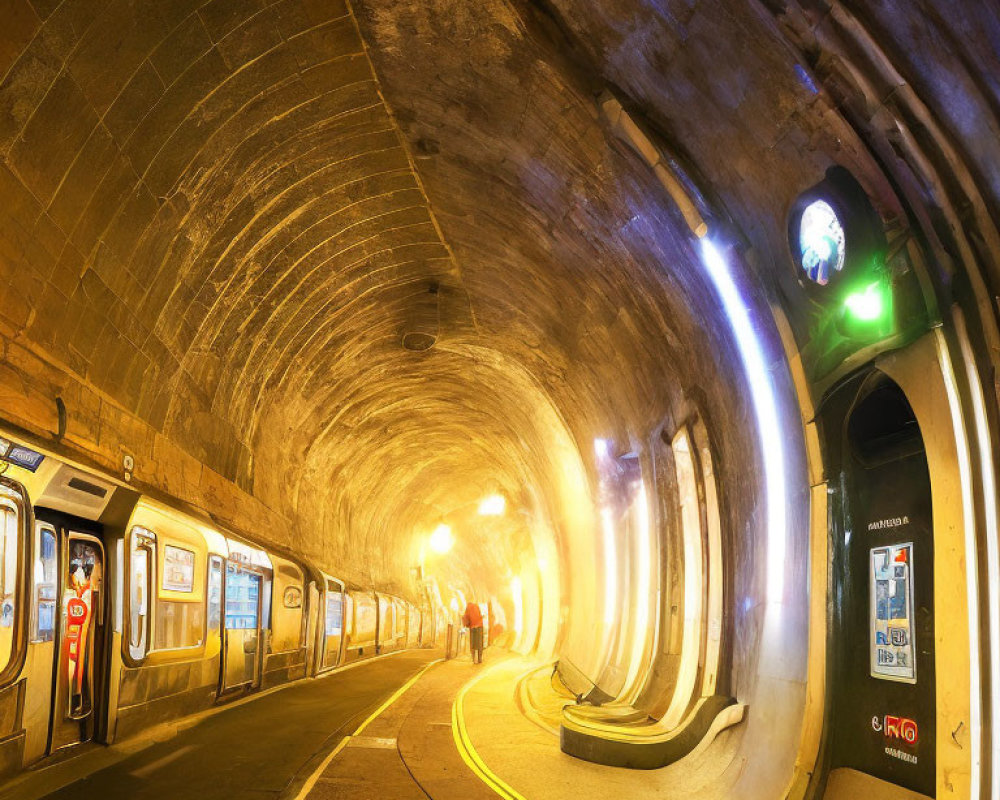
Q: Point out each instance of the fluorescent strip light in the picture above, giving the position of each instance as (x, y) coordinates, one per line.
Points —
(765, 409)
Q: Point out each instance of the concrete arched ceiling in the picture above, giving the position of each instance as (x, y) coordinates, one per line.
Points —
(216, 215)
(222, 216)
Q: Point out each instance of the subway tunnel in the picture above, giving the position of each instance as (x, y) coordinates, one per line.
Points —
(651, 344)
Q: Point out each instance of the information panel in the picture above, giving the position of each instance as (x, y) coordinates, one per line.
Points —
(891, 613)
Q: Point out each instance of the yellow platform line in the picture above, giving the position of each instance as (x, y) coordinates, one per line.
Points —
(468, 752)
(311, 781)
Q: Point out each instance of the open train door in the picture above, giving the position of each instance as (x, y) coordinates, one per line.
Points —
(82, 633)
(246, 592)
(78, 520)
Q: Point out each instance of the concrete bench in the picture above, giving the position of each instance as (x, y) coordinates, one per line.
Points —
(622, 736)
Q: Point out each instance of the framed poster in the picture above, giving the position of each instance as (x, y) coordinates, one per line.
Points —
(891, 604)
(178, 569)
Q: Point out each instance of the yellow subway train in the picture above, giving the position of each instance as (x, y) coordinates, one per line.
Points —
(119, 612)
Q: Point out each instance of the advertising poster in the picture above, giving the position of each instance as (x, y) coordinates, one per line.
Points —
(178, 569)
(891, 635)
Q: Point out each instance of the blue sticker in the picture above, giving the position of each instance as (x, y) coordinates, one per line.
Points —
(23, 457)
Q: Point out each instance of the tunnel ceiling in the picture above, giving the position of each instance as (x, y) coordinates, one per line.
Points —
(225, 216)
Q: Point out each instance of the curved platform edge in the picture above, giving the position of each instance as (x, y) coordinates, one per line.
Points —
(650, 747)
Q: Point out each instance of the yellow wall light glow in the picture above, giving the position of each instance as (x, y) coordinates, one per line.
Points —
(518, 601)
(441, 539)
(492, 506)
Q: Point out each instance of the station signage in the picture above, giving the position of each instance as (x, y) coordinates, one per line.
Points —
(19, 455)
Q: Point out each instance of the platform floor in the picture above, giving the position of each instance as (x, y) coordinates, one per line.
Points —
(522, 750)
(402, 727)
(408, 752)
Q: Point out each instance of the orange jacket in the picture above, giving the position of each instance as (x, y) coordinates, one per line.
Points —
(473, 617)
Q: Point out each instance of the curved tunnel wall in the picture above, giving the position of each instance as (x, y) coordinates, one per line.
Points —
(221, 218)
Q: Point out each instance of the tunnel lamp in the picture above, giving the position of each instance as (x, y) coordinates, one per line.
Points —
(492, 506)
(441, 539)
(821, 241)
(834, 232)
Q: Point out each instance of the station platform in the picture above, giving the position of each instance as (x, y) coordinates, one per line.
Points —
(407, 726)
(468, 732)
(512, 714)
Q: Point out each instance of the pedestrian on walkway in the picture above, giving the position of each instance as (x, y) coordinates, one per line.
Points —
(473, 620)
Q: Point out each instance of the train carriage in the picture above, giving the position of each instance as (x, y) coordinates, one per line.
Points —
(118, 611)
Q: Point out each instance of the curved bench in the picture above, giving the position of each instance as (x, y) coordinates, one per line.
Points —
(621, 736)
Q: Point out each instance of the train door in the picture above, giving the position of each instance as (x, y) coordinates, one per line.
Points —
(242, 633)
(333, 627)
(79, 685)
(882, 669)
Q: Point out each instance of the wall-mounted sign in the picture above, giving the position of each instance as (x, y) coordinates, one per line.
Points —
(894, 727)
(292, 597)
(178, 569)
(891, 602)
(20, 456)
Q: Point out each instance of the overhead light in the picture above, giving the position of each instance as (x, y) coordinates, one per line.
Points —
(821, 241)
(492, 506)
(441, 539)
(834, 232)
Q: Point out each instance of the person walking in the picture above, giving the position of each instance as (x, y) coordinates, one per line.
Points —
(473, 620)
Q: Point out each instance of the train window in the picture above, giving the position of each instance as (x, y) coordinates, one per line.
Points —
(9, 549)
(242, 598)
(178, 606)
(179, 623)
(214, 593)
(43, 610)
(142, 553)
(334, 612)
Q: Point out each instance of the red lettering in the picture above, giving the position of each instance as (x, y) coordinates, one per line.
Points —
(900, 728)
